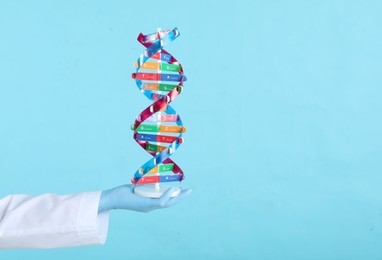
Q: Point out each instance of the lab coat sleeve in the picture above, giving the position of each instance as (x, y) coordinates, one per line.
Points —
(51, 221)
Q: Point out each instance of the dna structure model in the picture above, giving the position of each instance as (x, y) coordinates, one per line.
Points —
(158, 129)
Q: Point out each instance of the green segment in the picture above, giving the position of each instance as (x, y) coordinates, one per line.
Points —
(166, 167)
(148, 128)
(166, 87)
(169, 67)
(152, 147)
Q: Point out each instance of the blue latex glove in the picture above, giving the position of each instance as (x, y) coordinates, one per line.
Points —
(123, 197)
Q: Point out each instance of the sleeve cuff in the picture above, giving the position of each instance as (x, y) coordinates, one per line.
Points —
(91, 226)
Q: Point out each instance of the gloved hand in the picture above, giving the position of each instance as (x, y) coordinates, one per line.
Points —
(123, 197)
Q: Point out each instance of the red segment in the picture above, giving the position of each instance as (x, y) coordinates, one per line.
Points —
(166, 139)
(147, 76)
(146, 180)
(156, 56)
(169, 118)
(155, 97)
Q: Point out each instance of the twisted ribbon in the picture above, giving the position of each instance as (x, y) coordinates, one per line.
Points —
(159, 117)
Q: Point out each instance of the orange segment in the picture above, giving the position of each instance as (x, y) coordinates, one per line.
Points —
(148, 65)
(172, 129)
(153, 170)
(150, 86)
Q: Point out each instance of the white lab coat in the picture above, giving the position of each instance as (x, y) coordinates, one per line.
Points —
(50, 220)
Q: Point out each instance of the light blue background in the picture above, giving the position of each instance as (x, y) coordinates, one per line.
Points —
(283, 110)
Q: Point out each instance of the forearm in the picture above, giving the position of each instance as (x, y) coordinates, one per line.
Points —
(50, 220)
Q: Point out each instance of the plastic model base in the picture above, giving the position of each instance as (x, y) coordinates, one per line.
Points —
(154, 190)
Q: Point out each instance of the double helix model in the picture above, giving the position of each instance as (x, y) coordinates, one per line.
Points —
(158, 129)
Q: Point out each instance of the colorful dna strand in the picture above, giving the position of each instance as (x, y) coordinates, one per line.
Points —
(158, 129)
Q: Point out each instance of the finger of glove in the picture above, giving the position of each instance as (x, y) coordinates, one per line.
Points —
(184, 193)
(162, 201)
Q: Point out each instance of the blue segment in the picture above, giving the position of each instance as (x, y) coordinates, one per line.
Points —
(172, 77)
(169, 178)
(156, 96)
(166, 57)
(147, 137)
